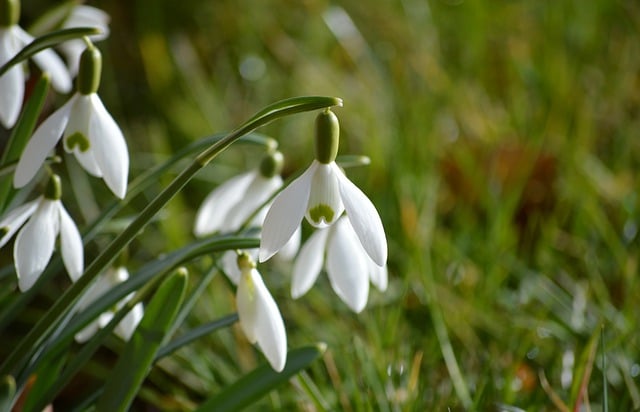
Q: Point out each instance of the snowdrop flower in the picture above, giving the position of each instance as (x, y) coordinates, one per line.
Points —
(106, 282)
(259, 316)
(321, 194)
(83, 16)
(227, 207)
(87, 130)
(12, 39)
(348, 265)
(47, 218)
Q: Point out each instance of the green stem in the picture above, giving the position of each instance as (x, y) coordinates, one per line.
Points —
(30, 344)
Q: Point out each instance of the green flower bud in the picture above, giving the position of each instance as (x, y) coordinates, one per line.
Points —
(9, 12)
(53, 191)
(89, 71)
(245, 262)
(327, 137)
(271, 164)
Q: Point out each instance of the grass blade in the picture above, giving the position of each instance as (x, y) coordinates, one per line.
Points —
(261, 381)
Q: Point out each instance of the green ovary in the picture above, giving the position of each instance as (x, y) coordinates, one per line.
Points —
(79, 140)
(321, 212)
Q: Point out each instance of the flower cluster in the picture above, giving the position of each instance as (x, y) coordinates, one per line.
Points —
(350, 237)
(87, 130)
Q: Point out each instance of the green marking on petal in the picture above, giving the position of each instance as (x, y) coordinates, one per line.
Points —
(321, 212)
(3, 231)
(79, 140)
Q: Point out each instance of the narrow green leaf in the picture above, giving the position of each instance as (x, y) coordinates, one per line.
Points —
(150, 271)
(138, 355)
(7, 392)
(46, 376)
(196, 333)
(90, 347)
(21, 134)
(48, 40)
(261, 381)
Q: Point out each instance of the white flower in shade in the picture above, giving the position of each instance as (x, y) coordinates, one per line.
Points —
(259, 316)
(106, 282)
(89, 132)
(321, 194)
(83, 16)
(12, 39)
(45, 218)
(227, 207)
(348, 265)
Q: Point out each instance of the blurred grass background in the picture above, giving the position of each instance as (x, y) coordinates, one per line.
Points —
(505, 154)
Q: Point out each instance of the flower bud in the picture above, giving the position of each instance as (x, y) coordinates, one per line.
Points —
(245, 262)
(53, 191)
(271, 164)
(89, 71)
(327, 137)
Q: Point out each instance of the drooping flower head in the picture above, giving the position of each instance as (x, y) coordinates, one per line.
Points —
(12, 39)
(348, 265)
(87, 129)
(34, 245)
(321, 194)
(259, 316)
(227, 207)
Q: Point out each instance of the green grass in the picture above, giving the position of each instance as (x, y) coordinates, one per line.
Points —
(504, 139)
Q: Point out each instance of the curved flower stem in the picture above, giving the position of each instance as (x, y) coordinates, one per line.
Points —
(30, 344)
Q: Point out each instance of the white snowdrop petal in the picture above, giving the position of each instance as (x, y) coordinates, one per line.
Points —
(308, 264)
(95, 291)
(40, 145)
(49, 62)
(34, 244)
(216, 206)
(289, 250)
(130, 322)
(247, 306)
(379, 275)
(12, 82)
(76, 135)
(13, 220)
(258, 191)
(347, 266)
(364, 218)
(109, 148)
(88, 331)
(285, 214)
(270, 331)
(88, 16)
(71, 245)
(325, 205)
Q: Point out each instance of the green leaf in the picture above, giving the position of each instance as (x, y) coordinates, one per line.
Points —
(261, 381)
(196, 333)
(46, 41)
(21, 134)
(46, 376)
(7, 392)
(139, 353)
